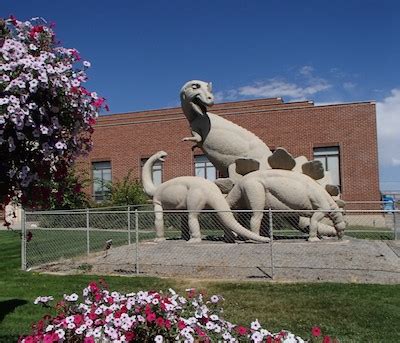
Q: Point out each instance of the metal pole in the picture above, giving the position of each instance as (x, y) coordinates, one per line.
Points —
(129, 225)
(87, 232)
(271, 232)
(395, 228)
(137, 240)
(23, 240)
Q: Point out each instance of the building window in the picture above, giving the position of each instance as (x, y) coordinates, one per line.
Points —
(101, 172)
(204, 168)
(329, 156)
(156, 172)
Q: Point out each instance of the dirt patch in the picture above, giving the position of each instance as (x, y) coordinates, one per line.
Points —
(349, 260)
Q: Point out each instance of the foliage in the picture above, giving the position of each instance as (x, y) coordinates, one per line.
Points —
(67, 193)
(46, 115)
(127, 191)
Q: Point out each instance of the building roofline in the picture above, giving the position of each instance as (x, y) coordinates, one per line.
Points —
(373, 102)
(178, 111)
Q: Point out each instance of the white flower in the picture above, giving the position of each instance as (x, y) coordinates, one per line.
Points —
(159, 339)
(60, 333)
(214, 317)
(32, 47)
(73, 297)
(86, 64)
(226, 335)
(60, 146)
(33, 83)
(49, 328)
(4, 101)
(257, 337)
(210, 325)
(214, 299)
(75, 83)
(265, 332)
(44, 129)
(255, 325)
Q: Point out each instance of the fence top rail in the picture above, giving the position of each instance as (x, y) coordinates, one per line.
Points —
(368, 202)
(207, 211)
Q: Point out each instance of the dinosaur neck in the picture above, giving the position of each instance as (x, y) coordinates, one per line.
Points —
(147, 179)
(188, 110)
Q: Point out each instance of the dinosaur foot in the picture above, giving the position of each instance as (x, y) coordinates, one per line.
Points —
(159, 239)
(313, 239)
(194, 240)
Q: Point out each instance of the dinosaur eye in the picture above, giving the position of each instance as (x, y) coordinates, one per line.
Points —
(195, 86)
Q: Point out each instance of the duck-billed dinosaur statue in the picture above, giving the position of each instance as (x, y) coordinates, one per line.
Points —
(222, 141)
(191, 193)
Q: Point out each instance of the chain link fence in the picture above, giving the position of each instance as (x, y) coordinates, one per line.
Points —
(122, 241)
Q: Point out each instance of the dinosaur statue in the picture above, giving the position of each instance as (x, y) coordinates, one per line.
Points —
(286, 190)
(221, 140)
(194, 194)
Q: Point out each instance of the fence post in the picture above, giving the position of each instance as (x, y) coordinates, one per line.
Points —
(271, 233)
(137, 240)
(395, 228)
(129, 225)
(23, 240)
(87, 231)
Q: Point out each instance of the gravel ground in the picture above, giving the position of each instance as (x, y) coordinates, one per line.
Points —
(349, 260)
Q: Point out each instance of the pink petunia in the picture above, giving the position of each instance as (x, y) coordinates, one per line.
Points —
(151, 317)
(181, 325)
(241, 330)
(78, 319)
(98, 102)
(48, 338)
(316, 331)
(160, 322)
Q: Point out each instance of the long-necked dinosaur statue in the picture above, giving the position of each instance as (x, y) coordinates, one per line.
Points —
(190, 193)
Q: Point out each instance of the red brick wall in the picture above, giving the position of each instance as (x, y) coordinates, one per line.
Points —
(124, 139)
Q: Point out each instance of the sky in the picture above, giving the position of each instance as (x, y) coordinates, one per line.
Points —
(142, 52)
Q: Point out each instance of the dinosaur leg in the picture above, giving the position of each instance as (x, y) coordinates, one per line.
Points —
(196, 201)
(315, 219)
(194, 228)
(159, 223)
(255, 193)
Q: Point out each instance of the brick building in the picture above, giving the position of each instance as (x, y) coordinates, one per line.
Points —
(342, 136)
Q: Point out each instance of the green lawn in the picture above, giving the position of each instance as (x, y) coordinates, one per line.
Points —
(351, 312)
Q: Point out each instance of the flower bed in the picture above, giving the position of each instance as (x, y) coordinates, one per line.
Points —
(145, 316)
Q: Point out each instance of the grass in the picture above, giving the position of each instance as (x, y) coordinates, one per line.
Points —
(351, 312)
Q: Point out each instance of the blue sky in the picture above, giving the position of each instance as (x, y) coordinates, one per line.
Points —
(326, 51)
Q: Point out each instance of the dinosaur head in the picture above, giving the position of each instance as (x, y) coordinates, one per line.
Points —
(196, 96)
(160, 155)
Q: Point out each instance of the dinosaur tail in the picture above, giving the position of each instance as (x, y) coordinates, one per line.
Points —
(147, 178)
(227, 218)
